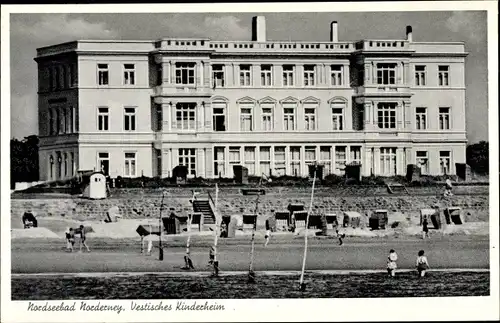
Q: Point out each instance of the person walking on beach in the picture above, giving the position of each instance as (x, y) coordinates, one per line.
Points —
(70, 240)
(267, 237)
(211, 256)
(425, 228)
(340, 236)
(83, 237)
(391, 263)
(422, 263)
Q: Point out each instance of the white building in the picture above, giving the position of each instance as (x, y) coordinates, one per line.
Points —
(133, 108)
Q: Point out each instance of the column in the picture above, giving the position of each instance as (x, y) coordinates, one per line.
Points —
(198, 74)
(376, 161)
(165, 72)
(368, 74)
(300, 75)
(256, 75)
(367, 162)
(406, 73)
(165, 163)
(368, 115)
(73, 115)
(209, 173)
(399, 73)
(257, 161)
(302, 161)
(207, 114)
(228, 75)
(271, 160)
(200, 161)
(173, 119)
(235, 75)
(287, 160)
(399, 116)
(332, 159)
(277, 75)
(172, 73)
(399, 161)
(347, 75)
(347, 154)
(207, 74)
(257, 116)
(229, 172)
(408, 115)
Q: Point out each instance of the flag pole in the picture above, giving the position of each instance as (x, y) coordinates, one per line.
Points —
(251, 274)
(216, 231)
(302, 284)
(160, 227)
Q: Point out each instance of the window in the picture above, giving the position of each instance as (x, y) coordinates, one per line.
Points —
(267, 117)
(129, 119)
(187, 157)
(103, 118)
(218, 75)
(386, 115)
(340, 159)
(289, 110)
(422, 162)
(420, 75)
(51, 78)
(445, 162)
(62, 70)
(443, 75)
(219, 162)
(309, 75)
(421, 118)
(444, 118)
(245, 75)
(186, 116)
(310, 118)
(310, 156)
(69, 120)
(386, 73)
(234, 157)
(250, 160)
(73, 163)
(62, 120)
(338, 108)
(266, 73)
(73, 74)
(219, 116)
(58, 121)
(130, 165)
(57, 73)
(103, 163)
(288, 75)
(159, 117)
(336, 75)
(102, 74)
(129, 74)
(325, 159)
(355, 155)
(279, 161)
(246, 118)
(51, 167)
(295, 161)
(184, 73)
(388, 161)
(265, 160)
(159, 74)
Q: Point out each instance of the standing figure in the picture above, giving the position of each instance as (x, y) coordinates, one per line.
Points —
(391, 263)
(83, 237)
(448, 188)
(340, 236)
(267, 237)
(422, 264)
(70, 240)
(425, 228)
(211, 256)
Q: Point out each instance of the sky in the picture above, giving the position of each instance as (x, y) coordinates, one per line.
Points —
(31, 31)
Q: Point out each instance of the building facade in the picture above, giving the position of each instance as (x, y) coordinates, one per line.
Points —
(133, 108)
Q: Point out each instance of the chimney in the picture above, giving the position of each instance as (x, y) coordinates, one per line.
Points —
(409, 34)
(259, 28)
(334, 32)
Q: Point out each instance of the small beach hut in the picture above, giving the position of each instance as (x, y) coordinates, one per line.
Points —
(331, 221)
(249, 222)
(433, 217)
(94, 186)
(299, 219)
(282, 220)
(352, 219)
(378, 219)
(453, 215)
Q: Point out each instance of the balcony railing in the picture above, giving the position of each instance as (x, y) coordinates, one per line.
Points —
(383, 45)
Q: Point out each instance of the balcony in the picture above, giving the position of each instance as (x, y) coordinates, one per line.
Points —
(383, 90)
(179, 90)
(383, 45)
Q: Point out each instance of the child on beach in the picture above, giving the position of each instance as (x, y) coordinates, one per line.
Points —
(422, 264)
(211, 256)
(425, 228)
(391, 263)
(70, 240)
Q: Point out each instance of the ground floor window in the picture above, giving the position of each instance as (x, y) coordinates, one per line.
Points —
(279, 161)
(388, 161)
(295, 161)
(103, 163)
(250, 160)
(187, 157)
(219, 162)
(423, 162)
(325, 159)
(445, 162)
(356, 155)
(340, 159)
(265, 160)
(130, 165)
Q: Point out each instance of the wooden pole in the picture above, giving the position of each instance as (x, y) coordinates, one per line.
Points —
(216, 230)
(251, 274)
(302, 284)
(160, 227)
